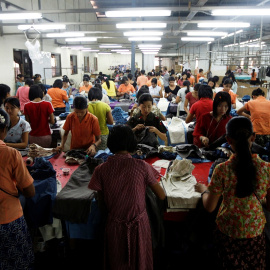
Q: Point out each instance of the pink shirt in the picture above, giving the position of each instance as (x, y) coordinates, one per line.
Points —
(142, 80)
(23, 95)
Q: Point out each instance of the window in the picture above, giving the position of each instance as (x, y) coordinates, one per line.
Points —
(56, 65)
(73, 64)
(86, 64)
(22, 63)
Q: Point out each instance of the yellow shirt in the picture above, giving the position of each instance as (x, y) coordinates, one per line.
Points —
(111, 90)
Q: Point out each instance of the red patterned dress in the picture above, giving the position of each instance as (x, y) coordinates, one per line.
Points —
(123, 181)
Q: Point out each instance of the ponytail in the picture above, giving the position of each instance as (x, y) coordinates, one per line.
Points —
(187, 84)
(244, 168)
(107, 83)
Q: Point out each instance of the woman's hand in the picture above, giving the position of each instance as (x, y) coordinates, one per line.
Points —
(139, 127)
(91, 151)
(204, 140)
(200, 187)
(152, 129)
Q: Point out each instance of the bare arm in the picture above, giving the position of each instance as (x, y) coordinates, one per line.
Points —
(29, 191)
(178, 99)
(242, 112)
(185, 106)
(51, 119)
(189, 118)
(22, 144)
(109, 118)
(158, 190)
(63, 141)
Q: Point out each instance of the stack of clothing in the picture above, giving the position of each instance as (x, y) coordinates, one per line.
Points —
(178, 184)
(119, 116)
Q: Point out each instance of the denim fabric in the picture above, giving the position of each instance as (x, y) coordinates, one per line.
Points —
(38, 210)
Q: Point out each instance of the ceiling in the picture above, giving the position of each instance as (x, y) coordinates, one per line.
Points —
(89, 17)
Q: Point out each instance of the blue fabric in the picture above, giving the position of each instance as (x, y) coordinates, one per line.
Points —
(233, 113)
(246, 98)
(64, 115)
(89, 230)
(210, 173)
(38, 210)
(112, 99)
(194, 160)
(167, 155)
(119, 116)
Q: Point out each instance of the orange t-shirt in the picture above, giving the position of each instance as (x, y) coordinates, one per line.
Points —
(149, 83)
(126, 88)
(84, 133)
(141, 80)
(86, 89)
(231, 93)
(13, 174)
(199, 76)
(253, 78)
(260, 114)
(58, 97)
(191, 80)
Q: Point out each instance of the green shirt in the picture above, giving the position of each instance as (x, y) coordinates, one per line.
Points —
(100, 110)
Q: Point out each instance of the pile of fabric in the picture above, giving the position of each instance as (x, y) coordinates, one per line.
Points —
(119, 116)
(178, 184)
(77, 156)
(38, 151)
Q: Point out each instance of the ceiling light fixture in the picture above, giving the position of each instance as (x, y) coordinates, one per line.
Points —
(197, 39)
(149, 46)
(20, 16)
(138, 13)
(241, 12)
(110, 46)
(130, 25)
(223, 24)
(87, 50)
(119, 50)
(104, 53)
(65, 34)
(206, 33)
(144, 38)
(124, 52)
(142, 33)
(150, 52)
(80, 39)
(48, 26)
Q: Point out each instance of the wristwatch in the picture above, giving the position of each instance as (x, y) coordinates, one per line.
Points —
(206, 191)
(94, 145)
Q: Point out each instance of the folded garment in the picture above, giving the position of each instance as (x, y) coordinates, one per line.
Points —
(75, 156)
(63, 115)
(189, 150)
(38, 151)
(167, 155)
(163, 163)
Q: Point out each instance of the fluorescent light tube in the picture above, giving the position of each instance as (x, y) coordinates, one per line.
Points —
(48, 26)
(241, 12)
(144, 38)
(239, 31)
(138, 13)
(80, 39)
(110, 46)
(87, 50)
(223, 24)
(124, 52)
(119, 50)
(149, 46)
(65, 34)
(206, 33)
(130, 25)
(197, 39)
(142, 33)
(20, 16)
(150, 52)
(104, 53)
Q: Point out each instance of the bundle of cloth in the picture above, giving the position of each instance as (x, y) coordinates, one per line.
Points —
(178, 184)
(75, 156)
(38, 151)
(119, 116)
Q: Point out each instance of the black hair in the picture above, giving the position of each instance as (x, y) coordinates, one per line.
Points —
(100, 73)
(164, 68)
(19, 76)
(4, 91)
(231, 76)
(15, 102)
(219, 98)
(65, 78)
(145, 86)
(145, 97)
(121, 138)
(29, 82)
(158, 73)
(35, 92)
(200, 70)
(172, 71)
(216, 78)
(80, 102)
(43, 88)
(143, 90)
(142, 71)
(87, 76)
(213, 81)
(154, 80)
(197, 86)
(4, 119)
(228, 72)
(124, 79)
(95, 93)
(187, 84)
(130, 76)
(228, 81)
(258, 92)
(253, 71)
(224, 79)
(58, 84)
(205, 91)
(149, 73)
(171, 79)
(240, 129)
(97, 81)
(86, 79)
(36, 76)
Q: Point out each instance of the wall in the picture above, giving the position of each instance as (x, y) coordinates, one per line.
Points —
(115, 59)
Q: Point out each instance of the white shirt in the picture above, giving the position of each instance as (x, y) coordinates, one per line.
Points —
(154, 91)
